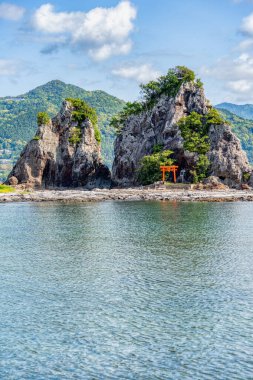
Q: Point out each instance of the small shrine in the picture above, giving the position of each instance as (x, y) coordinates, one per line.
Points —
(169, 169)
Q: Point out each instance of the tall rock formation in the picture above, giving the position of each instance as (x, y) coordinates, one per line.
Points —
(160, 125)
(64, 153)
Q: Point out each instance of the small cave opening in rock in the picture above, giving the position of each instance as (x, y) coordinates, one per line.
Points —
(46, 175)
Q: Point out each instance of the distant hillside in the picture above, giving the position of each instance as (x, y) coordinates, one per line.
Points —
(18, 117)
(245, 111)
(243, 128)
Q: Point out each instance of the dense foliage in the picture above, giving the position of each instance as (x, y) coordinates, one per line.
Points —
(243, 129)
(149, 171)
(194, 130)
(42, 118)
(82, 111)
(168, 84)
(18, 117)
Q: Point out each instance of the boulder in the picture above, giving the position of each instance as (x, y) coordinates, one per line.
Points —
(13, 181)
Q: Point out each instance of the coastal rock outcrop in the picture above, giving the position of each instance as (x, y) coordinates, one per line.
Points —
(159, 125)
(64, 153)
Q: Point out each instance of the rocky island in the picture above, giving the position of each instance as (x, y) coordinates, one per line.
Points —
(174, 123)
(65, 151)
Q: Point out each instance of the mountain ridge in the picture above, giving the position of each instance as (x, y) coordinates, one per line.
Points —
(243, 110)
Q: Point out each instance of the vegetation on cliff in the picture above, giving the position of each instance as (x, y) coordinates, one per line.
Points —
(82, 112)
(149, 171)
(42, 118)
(168, 84)
(194, 130)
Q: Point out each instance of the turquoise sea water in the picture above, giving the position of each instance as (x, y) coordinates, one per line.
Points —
(126, 290)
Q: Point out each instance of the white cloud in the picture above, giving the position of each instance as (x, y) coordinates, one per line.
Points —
(8, 68)
(141, 73)
(239, 68)
(103, 32)
(247, 25)
(235, 75)
(11, 12)
(242, 86)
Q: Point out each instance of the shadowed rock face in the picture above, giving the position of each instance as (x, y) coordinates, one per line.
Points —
(50, 160)
(159, 126)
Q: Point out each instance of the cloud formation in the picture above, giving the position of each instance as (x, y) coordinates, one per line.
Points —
(11, 12)
(141, 73)
(103, 32)
(7, 68)
(247, 25)
(235, 72)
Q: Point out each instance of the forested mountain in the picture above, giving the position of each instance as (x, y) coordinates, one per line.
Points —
(245, 111)
(18, 117)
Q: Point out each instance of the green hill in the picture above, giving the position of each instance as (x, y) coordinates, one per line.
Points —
(18, 117)
(243, 110)
(243, 128)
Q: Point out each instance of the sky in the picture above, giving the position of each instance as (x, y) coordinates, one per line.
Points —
(114, 45)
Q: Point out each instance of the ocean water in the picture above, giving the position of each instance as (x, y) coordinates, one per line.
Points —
(126, 290)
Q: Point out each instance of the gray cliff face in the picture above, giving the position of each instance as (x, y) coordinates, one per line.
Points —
(51, 160)
(228, 161)
(159, 126)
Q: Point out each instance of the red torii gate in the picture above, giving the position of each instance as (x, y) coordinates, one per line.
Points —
(168, 169)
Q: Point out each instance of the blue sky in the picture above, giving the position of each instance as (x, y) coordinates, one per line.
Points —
(114, 45)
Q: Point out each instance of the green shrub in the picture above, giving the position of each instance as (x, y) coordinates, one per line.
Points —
(202, 167)
(98, 136)
(75, 135)
(36, 138)
(42, 118)
(199, 83)
(149, 171)
(246, 176)
(194, 130)
(82, 112)
(213, 117)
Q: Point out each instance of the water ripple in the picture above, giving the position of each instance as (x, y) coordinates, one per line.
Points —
(128, 290)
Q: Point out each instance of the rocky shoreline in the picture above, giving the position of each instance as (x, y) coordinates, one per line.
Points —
(129, 194)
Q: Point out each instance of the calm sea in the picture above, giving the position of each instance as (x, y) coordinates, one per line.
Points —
(126, 290)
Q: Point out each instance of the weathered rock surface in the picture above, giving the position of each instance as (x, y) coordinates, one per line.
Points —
(228, 161)
(50, 160)
(159, 126)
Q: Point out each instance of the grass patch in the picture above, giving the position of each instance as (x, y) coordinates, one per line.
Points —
(178, 184)
(6, 189)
